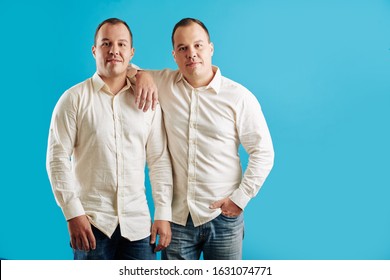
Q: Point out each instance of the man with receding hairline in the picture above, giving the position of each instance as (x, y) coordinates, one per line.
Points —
(207, 116)
(98, 144)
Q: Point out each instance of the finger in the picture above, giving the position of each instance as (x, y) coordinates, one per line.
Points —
(92, 240)
(153, 235)
(169, 239)
(159, 248)
(148, 100)
(230, 212)
(85, 242)
(155, 99)
(163, 240)
(79, 243)
(141, 103)
(73, 243)
(147, 105)
(137, 93)
(231, 208)
(86, 245)
(142, 100)
(154, 104)
(226, 210)
(216, 205)
(227, 213)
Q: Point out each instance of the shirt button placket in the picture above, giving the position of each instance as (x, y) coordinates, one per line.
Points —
(119, 157)
(192, 141)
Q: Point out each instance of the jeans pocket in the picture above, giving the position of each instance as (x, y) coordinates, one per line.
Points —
(230, 218)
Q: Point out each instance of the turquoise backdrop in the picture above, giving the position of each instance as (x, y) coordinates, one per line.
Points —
(320, 70)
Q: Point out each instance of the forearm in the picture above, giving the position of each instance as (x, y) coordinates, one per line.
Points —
(162, 191)
(160, 169)
(256, 139)
(160, 173)
(259, 166)
(146, 92)
(62, 181)
(61, 141)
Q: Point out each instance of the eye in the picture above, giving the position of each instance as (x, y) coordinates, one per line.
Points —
(105, 44)
(182, 49)
(198, 46)
(122, 44)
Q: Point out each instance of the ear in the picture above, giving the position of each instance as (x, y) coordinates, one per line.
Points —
(94, 51)
(174, 55)
(132, 52)
(212, 48)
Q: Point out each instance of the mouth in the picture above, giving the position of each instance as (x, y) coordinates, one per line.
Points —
(114, 61)
(192, 64)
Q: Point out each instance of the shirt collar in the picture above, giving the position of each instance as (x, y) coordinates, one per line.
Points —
(214, 85)
(99, 84)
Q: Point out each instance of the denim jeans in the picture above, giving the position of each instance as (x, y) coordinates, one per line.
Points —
(219, 239)
(117, 248)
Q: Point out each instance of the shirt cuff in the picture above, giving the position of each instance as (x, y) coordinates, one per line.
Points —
(163, 213)
(132, 71)
(240, 198)
(73, 209)
(132, 65)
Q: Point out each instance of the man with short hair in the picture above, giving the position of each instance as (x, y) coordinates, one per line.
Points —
(207, 116)
(98, 144)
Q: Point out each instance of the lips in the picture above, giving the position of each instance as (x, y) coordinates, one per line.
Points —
(192, 64)
(114, 60)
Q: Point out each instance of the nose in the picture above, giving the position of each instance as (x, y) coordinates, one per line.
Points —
(191, 53)
(114, 50)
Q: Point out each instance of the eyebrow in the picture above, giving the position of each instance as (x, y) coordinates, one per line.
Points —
(120, 40)
(196, 42)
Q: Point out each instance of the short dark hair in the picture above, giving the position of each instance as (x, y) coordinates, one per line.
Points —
(113, 21)
(186, 22)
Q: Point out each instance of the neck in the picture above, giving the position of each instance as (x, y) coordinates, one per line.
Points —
(196, 81)
(115, 84)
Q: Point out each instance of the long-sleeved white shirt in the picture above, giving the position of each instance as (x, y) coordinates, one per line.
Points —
(97, 148)
(205, 127)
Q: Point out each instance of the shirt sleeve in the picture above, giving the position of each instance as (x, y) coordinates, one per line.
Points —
(62, 138)
(160, 168)
(254, 136)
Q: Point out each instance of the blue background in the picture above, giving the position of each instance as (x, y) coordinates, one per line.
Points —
(320, 70)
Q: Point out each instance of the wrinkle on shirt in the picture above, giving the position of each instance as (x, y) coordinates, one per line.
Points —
(98, 146)
(205, 127)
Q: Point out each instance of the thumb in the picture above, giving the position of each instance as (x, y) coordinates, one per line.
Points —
(216, 204)
(153, 235)
(137, 95)
(92, 240)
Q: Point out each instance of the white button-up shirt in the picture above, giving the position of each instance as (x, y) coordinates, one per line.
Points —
(97, 148)
(205, 127)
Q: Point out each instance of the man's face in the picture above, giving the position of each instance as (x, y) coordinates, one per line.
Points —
(113, 50)
(193, 52)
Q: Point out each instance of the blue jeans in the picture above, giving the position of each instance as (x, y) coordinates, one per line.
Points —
(219, 239)
(117, 248)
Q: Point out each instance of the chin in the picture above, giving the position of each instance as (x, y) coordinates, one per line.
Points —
(116, 71)
(196, 72)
